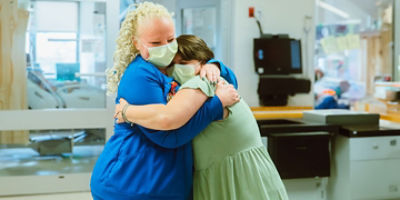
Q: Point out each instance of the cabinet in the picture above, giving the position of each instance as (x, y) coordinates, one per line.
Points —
(304, 188)
(301, 153)
(365, 168)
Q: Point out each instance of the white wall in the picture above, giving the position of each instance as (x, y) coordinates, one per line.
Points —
(284, 16)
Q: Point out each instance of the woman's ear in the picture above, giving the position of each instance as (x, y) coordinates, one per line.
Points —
(135, 42)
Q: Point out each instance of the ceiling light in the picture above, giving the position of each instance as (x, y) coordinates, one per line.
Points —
(333, 9)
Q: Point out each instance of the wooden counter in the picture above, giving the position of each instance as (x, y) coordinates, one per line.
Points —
(279, 112)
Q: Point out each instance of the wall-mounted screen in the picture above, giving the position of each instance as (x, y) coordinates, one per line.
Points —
(277, 56)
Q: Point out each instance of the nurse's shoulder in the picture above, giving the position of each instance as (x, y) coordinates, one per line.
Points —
(140, 68)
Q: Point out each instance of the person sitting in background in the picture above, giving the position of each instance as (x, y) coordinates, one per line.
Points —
(329, 99)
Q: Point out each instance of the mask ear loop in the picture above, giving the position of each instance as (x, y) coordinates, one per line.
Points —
(140, 43)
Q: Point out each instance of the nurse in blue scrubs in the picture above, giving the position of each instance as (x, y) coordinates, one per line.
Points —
(140, 163)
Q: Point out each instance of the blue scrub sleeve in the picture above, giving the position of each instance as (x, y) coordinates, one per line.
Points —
(141, 86)
(145, 86)
(226, 72)
(329, 102)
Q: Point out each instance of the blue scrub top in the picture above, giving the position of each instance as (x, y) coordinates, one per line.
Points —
(140, 163)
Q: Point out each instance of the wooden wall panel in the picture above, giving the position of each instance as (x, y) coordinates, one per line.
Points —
(13, 96)
(378, 58)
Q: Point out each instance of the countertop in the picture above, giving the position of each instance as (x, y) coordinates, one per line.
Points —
(279, 112)
(275, 117)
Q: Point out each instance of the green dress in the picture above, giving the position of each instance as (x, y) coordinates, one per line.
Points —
(229, 158)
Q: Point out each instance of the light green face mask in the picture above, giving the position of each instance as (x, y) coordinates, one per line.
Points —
(162, 56)
(181, 73)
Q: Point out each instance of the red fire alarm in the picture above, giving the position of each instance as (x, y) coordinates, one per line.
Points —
(251, 12)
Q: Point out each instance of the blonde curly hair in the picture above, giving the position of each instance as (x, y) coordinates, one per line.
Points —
(126, 51)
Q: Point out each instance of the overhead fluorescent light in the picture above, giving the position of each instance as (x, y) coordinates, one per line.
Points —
(333, 9)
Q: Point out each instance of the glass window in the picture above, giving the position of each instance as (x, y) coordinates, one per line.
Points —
(58, 61)
(50, 152)
(354, 48)
(66, 60)
(201, 22)
(56, 47)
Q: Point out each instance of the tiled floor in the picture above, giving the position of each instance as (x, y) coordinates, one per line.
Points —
(62, 196)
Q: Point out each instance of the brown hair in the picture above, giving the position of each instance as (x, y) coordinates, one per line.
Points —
(191, 47)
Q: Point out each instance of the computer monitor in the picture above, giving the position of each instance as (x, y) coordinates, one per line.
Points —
(66, 71)
(277, 56)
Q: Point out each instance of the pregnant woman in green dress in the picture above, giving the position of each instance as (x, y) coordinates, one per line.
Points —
(229, 158)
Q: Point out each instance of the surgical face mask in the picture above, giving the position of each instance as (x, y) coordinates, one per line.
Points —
(162, 56)
(181, 73)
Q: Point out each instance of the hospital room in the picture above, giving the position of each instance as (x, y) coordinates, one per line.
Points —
(288, 99)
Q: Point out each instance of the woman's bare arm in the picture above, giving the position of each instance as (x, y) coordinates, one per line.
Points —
(177, 112)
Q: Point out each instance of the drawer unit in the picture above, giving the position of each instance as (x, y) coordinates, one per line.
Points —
(375, 179)
(371, 148)
(300, 155)
(299, 149)
(365, 168)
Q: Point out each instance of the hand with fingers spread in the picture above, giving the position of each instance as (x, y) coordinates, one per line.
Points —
(227, 94)
(211, 72)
